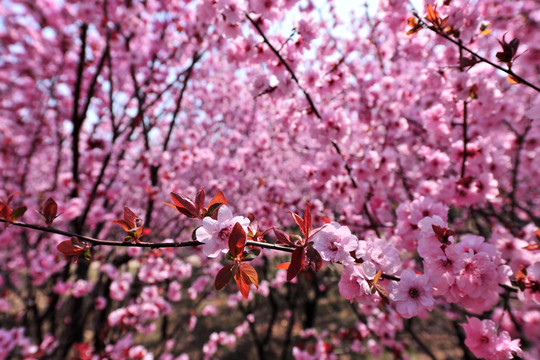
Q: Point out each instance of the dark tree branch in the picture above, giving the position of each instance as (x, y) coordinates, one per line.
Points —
(481, 58)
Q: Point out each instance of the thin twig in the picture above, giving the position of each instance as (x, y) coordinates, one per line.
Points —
(481, 58)
(97, 242)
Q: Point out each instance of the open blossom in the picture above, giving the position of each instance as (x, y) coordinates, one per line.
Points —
(383, 253)
(413, 293)
(482, 340)
(335, 242)
(215, 233)
(353, 284)
(477, 274)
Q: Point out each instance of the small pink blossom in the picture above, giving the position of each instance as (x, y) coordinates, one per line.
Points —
(482, 340)
(81, 288)
(413, 294)
(353, 284)
(335, 242)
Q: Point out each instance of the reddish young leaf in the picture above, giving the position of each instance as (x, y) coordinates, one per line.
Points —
(237, 240)
(242, 280)
(49, 211)
(219, 198)
(283, 237)
(532, 247)
(199, 199)
(184, 205)
(67, 248)
(122, 223)
(373, 282)
(223, 276)
(299, 221)
(297, 262)
(377, 277)
(283, 266)
(251, 273)
(9, 214)
(521, 274)
(432, 15)
(131, 219)
(442, 233)
(132, 225)
(416, 26)
(314, 258)
(73, 247)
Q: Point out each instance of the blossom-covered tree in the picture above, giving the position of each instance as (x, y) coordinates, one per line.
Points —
(358, 178)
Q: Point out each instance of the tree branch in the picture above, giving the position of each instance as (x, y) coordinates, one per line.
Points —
(481, 58)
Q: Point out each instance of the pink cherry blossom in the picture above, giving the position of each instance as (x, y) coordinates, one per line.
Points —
(413, 294)
(215, 233)
(483, 341)
(335, 243)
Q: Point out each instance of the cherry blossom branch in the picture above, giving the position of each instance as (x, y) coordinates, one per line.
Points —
(192, 243)
(95, 241)
(287, 66)
(196, 57)
(520, 139)
(75, 114)
(481, 58)
(315, 111)
(465, 139)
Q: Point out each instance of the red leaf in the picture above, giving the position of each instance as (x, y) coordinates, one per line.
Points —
(132, 225)
(219, 198)
(432, 15)
(237, 240)
(532, 247)
(182, 202)
(67, 248)
(284, 266)
(521, 275)
(49, 210)
(73, 247)
(122, 223)
(223, 277)
(377, 277)
(251, 273)
(314, 258)
(537, 233)
(130, 217)
(297, 263)
(283, 237)
(199, 199)
(299, 221)
(442, 233)
(242, 280)
(8, 214)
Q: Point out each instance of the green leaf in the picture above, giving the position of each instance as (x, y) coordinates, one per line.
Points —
(17, 213)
